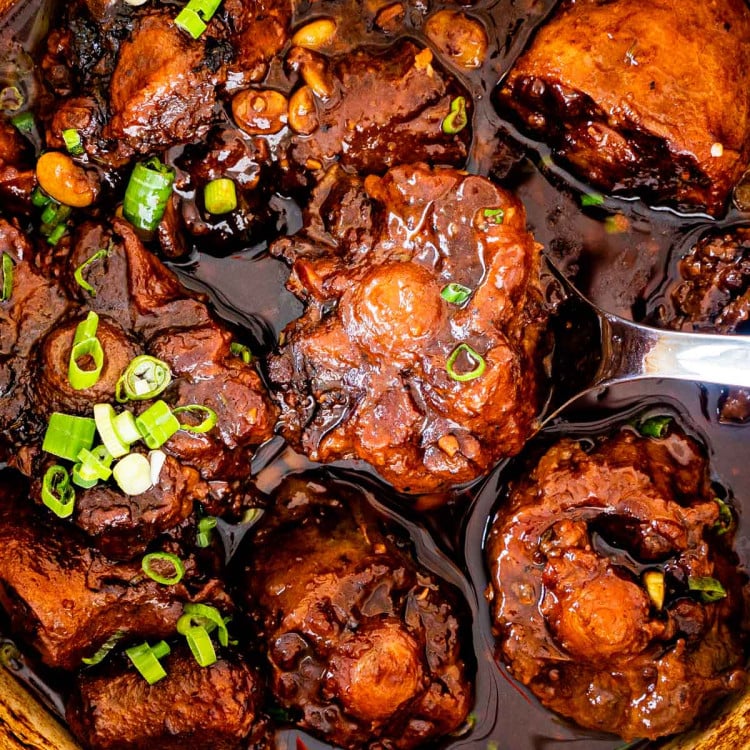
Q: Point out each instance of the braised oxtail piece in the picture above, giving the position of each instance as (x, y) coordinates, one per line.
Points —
(641, 100)
(420, 348)
(614, 591)
(363, 643)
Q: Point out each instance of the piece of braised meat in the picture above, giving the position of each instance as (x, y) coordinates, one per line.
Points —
(371, 110)
(201, 708)
(363, 643)
(66, 599)
(419, 351)
(614, 591)
(17, 179)
(640, 100)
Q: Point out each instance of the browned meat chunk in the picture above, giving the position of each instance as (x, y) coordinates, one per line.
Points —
(16, 175)
(613, 590)
(66, 599)
(211, 708)
(363, 644)
(643, 100)
(378, 109)
(382, 367)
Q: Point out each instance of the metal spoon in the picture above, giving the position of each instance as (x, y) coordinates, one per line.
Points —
(595, 349)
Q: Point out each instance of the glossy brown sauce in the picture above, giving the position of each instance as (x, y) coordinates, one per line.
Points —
(621, 254)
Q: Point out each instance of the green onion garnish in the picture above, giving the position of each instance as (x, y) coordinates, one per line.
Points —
(208, 423)
(7, 288)
(220, 196)
(133, 474)
(56, 234)
(126, 428)
(494, 215)
(78, 273)
(39, 198)
(205, 528)
(145, 659)
(592, 199)
(201, 647)
(67, 435)
(725, 520)
(104, 651)
(73, 142)
(473, 355)
(104, 416)
(456, 120)
(195, 15)
(241, 351)
(157, 424)
(710, 589)
(86, 345)
(84, 481)
(143, 379)
(205, 616)
(165, 557)
(655, 427)
(456, 294)
(94, 464)
(147, 193)
(24, 123)
(58, 494)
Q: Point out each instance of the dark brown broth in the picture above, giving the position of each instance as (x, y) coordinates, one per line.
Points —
(624, 272)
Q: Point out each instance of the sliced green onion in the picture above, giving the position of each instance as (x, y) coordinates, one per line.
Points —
(456, 294)
(145, 659)
(58, 494)
(104, 651)
(725, 520)
(86, 344)
(201, 647)
(592, 199)
(147, 193)
(67, 435)
(54, 213)
(494, 215)
(156, 460)
(24, 123)
(56, 234)
(133, 474)
(472, 354)
(157, 424)
(195, 15)
(208, 423)
(205, 616)
(205, 531)
(456, 120)
(125, 427)
(220, 196)
(7, 288)
(167, 557)
(655, 427)
(39, 198)
(84, 481)
(95, 463)
(143, 379)
(73, 142)
(241, 351)
(78, 273)
(710, 589)
(104, 417)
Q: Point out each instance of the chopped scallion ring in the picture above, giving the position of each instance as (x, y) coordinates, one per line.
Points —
(73, 142)
(67, 435)
(104, 416)
(241, 351)
(457, 119)
(58, 494)
(194, 17)
(126, 428)
(157, 424)
(201, 647)
(220, 196)
(24, 123)
(145, 659)
(494, 215)
(473, 355)
(95, 463)
(147, 193)
(86, 345)
(205, 528)
(709, 589)
(206, 616)
(133, 474)
(104, 651)
(592, 199)
(78, 273)
(655, 427)
(456, 294)
(208, 423)
(143, 379)
(39, 198)
(725, 520)
(7, 287)
(84, 481)
(56, 234)
(163, 557)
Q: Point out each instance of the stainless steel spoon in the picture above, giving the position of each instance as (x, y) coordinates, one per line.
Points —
(595, 349)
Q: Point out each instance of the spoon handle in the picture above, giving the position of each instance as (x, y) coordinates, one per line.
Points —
(637, 351)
